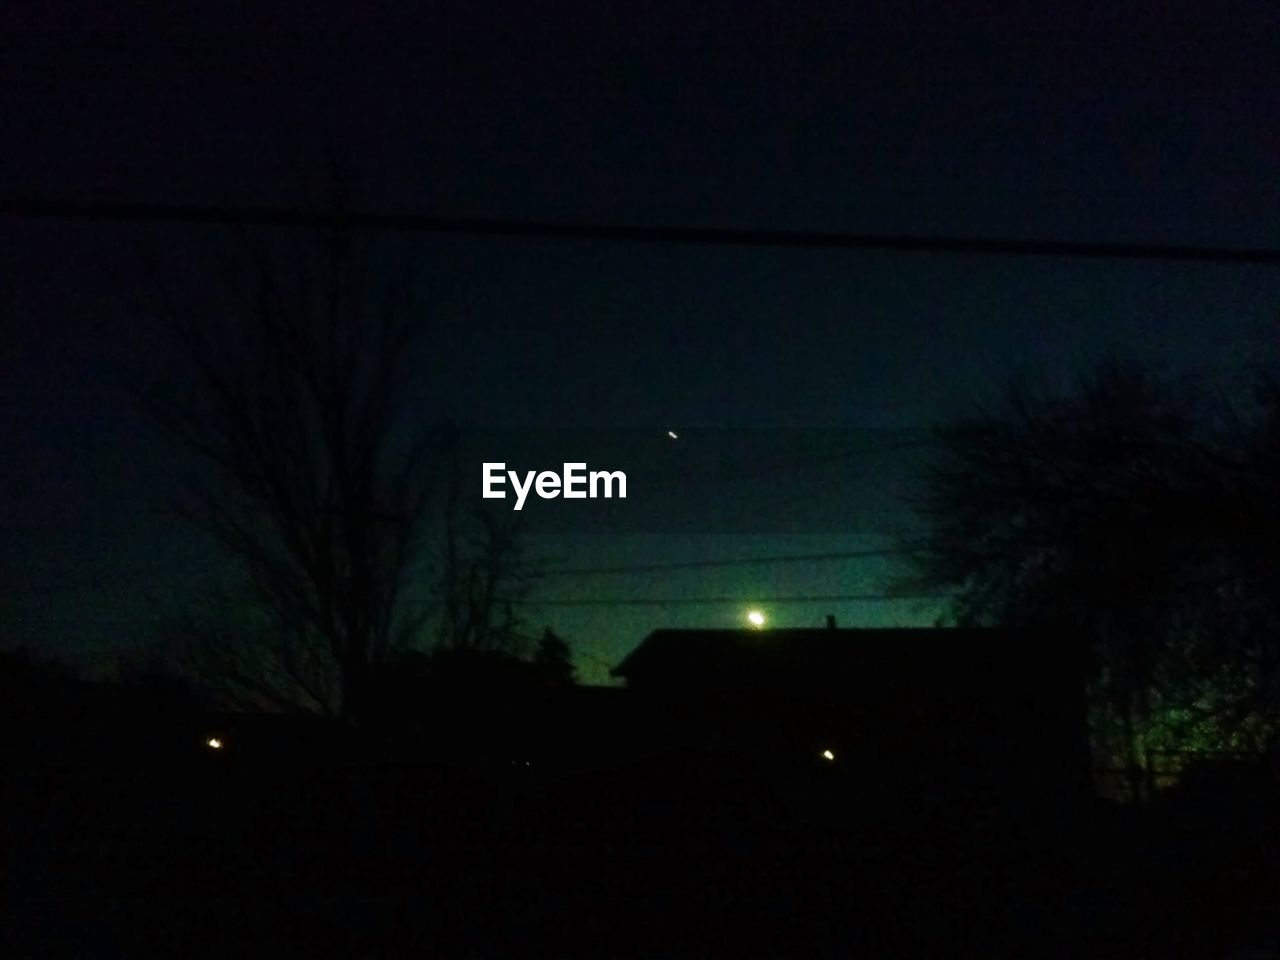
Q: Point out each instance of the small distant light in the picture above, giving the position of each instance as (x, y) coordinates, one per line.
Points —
(755, 618)
(828, 755)
(673, 435)
(213, 743)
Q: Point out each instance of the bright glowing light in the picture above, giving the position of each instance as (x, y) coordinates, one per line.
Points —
(213, 743)
(673, 435)
(828, 755)
(755, 618)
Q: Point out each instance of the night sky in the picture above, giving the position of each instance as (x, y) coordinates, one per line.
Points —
(1154, 126)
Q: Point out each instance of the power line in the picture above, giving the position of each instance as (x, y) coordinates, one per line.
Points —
(709, 564)
(736, 601)
(206, 215)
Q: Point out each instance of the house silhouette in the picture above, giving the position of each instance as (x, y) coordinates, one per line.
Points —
(991, 713)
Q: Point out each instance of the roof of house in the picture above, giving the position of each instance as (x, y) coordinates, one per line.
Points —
(876, 660)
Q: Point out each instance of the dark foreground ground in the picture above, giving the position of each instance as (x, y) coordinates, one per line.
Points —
(148, 843)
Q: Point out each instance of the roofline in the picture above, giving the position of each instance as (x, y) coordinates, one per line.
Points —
(620, 671)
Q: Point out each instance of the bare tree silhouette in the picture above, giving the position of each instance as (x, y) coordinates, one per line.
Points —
(1121, 510)
(484, 576)
(292, 390)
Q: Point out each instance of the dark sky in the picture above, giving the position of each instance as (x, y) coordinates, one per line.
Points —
(1065, 121)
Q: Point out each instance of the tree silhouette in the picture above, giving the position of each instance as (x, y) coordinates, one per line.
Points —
(554, 659)
(1122, 511)
(242, 657)
(292, 389)
(484, 577)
